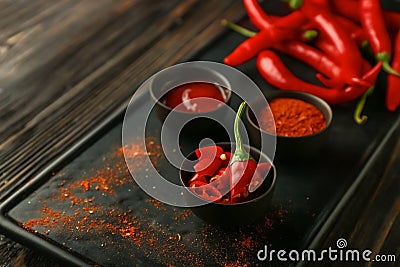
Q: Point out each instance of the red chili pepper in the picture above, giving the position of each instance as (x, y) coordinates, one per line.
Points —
(292, 20)
(241, 176)
(311, 56)
(197, 184)
(326, 79)
(372, 20)
(325, 45)
(277, 74)
(322, 3)
(241, 54)
(306, 34)
(319, 61)
(350, 27)
(256, 182)
(347, 52)
(351, 10)
(296, 4)
(264, 167)
(262, 40)
(356, 32)
(256, 14)
(209, 151)
(392, 20)
(221, 180)
(205, 191)
(262, 20)
(347, 8)
(314, 58)
(261, 172)
(354, 91)
(197, 178)
(242, 166)
(207, 166)
(335, 83)
(393, 82)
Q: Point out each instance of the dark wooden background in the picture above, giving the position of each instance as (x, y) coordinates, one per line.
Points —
(66, 65)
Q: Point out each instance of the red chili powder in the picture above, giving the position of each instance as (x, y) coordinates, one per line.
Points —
(157, 204)
(293, 117)
(182, 215)
(89, 215)
(86, 211)
(51, 219)
(133, 153)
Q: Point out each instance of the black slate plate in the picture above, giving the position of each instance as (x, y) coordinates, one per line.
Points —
(93, 213)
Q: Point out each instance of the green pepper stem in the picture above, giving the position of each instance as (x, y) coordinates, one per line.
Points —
(365, 46)
(386, 66)
(308, 35)
(385, 57)
(295, 4)
(240, 154)
(360, 106)
(239, 29)
(238, 138)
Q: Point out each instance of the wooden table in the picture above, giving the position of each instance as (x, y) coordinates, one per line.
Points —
(65, 66)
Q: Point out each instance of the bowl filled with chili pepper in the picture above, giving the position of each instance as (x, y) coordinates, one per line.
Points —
(299, 121)
(229, 183)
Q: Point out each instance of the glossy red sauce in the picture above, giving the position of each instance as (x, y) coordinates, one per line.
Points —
(191, 96)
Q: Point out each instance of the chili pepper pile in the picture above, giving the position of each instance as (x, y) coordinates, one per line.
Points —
(228, 178)
(329, 36)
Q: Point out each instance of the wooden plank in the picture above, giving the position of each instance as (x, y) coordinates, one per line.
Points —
(71, 99)
(104, 89)
(27, 69)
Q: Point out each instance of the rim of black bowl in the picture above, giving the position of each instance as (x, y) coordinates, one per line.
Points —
(270, 188)
(228, 94)
(309, 98)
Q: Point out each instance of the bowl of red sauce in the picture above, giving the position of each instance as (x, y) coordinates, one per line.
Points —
(223, 205)
(193, 97)
(299, 121)
(191, 94)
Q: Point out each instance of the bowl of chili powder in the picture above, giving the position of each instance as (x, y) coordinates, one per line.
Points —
(299, 121)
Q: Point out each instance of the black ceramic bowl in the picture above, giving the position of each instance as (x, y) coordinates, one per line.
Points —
(180, 74)
(290, 148)
(238, 213)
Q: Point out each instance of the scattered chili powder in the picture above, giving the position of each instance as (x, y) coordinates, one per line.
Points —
(85, 213)
(182, 215)
(134, 152)
(85, 217)
(66, 193)
(247, 242)
(50, 220)
(293, 117)
(157, 204)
